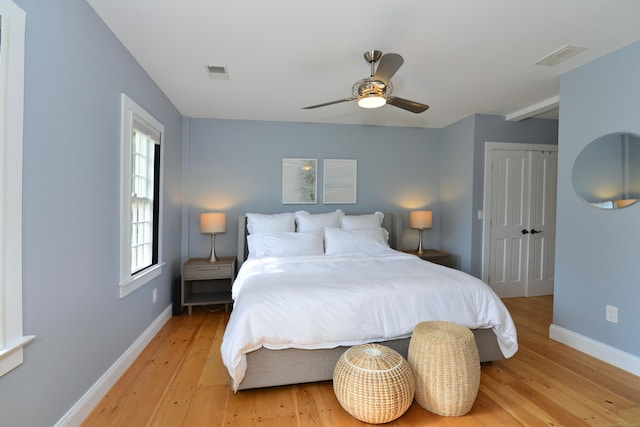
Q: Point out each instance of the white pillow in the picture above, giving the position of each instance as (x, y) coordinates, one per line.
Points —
(273, 223)
(367, 241)
(307, 221)
(352, 222)
(285, 244)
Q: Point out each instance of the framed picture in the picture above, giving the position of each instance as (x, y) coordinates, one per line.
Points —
(340, 179)
(299, 181)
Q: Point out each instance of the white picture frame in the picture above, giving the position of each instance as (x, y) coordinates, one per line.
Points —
(299, 181)
(340, 181)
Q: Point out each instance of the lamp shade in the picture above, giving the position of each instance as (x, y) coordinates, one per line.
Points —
(420, 219)
(213, 222)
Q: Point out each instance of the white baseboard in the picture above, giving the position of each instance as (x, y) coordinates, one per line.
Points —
(92, 397)
(604, 352)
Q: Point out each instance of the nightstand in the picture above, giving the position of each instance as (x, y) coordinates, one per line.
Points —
(206, 283)
(436, 256)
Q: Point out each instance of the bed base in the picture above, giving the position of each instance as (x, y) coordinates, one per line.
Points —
(268, 368)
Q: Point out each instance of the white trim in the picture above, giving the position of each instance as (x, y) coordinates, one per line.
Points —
(486, 197)
(11, 354)
(128, 283)
(12, 340)
(534, 110)
(83, 407)
(11, 347)
(140, 279)
(604, 352)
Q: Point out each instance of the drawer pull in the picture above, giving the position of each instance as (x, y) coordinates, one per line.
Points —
(207, 268)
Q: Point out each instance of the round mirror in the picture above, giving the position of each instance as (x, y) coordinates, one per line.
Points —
(606, 173)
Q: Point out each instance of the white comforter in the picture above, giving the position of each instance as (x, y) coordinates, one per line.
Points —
(312, 302)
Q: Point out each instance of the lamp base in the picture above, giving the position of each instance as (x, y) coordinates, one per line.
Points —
(420, 249)
(212, 255)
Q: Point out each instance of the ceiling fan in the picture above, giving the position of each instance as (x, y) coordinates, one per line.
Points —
(375, 91)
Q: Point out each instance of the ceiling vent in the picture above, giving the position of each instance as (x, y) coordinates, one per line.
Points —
(217, 72)
(562, 54)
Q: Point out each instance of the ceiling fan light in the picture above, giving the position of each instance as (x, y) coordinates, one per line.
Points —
(372, 101)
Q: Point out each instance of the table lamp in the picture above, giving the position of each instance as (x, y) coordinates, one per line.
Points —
(213, 223)
(420, 220)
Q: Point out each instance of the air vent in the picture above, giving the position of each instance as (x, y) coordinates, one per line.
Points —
(560, 55)
(217, 72)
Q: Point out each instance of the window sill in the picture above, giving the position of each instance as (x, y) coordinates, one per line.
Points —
(140, 279)
(11, 356)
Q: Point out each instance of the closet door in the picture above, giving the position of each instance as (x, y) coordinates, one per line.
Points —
(542, 223)
(522, 199)
(509, 250)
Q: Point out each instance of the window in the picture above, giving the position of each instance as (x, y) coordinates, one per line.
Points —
(141, 194)
(12, 340)
(145, 150)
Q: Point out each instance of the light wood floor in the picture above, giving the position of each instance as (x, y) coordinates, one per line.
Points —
(179, 380)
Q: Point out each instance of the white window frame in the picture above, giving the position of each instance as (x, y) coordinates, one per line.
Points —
(12, 339)
(130, 282)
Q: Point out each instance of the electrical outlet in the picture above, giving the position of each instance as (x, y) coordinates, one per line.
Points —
(155, 295)
(612, 314)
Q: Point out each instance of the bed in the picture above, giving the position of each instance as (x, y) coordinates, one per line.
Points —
(357, 289)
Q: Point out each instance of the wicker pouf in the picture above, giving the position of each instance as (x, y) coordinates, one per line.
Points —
(445, 362)
(373, 383)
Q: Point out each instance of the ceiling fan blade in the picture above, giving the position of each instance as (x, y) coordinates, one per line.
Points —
(390, 63)
(405, 104)
(329, 103)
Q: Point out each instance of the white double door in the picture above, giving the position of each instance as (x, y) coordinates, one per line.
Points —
(520, 219)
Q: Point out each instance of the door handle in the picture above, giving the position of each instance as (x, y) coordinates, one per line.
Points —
(533, 231)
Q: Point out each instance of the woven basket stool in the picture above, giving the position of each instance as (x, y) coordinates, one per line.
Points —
(373, 383)
(444, 359)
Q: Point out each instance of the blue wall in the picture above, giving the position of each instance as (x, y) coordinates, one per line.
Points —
(236, 166)
(75, 70)
(597, 249)
(456, 190)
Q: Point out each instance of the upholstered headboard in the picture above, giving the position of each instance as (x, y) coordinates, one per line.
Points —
(392, 222)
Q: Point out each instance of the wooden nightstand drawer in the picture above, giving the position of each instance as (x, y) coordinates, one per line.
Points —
(202, 269)
(212, 271)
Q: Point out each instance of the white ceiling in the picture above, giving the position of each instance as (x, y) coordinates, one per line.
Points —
(461, 57)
